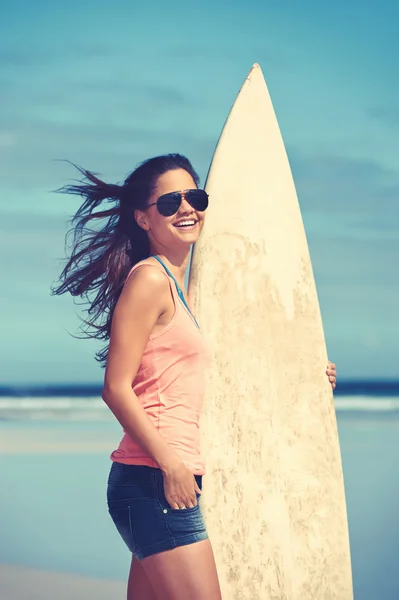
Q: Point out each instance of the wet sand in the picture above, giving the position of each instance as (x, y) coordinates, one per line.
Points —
(20, 583)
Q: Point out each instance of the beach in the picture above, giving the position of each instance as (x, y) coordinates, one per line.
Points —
(33, 584)
(57, 538)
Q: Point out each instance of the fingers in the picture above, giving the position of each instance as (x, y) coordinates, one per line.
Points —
(189, 502)
(181, 488)
(182, 505)
(193, 499)
(331, 372)
(331, 367)
(179, 503)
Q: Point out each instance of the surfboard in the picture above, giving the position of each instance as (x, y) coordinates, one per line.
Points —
(273, 499)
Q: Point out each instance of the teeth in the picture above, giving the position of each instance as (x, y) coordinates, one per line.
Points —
(185, 223)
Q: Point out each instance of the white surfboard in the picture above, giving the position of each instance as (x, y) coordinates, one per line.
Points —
(273, 498)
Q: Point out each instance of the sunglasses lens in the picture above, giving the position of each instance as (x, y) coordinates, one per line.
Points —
(169, 204)
(198, 199)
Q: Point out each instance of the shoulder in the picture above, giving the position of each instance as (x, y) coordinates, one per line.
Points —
(145, 295)
(145, 280)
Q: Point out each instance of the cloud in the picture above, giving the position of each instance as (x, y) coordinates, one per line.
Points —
(351, 217)
(29, 164)
(154, 92)
(93, 104)
(105, 123)
(344, 197)
(40, 54)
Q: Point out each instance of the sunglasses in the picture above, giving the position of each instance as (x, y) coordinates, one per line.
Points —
(169, 204)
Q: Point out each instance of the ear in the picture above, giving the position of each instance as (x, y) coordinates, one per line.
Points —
(141, 220)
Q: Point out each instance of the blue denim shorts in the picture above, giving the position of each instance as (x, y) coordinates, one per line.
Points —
(142, 515)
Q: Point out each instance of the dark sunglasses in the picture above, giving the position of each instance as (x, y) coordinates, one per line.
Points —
(169, 204)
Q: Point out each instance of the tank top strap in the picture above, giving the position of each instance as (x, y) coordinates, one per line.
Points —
(178, 289)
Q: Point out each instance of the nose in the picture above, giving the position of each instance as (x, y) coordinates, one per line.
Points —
(185, 206)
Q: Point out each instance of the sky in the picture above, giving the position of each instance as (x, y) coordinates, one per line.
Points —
(107, 85)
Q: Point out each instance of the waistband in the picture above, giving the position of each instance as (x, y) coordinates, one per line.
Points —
(124, 474)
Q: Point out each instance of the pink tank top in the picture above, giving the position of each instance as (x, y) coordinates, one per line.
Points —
(170, 385)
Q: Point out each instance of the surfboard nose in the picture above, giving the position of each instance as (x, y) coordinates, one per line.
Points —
(255, 67)
(255, 72)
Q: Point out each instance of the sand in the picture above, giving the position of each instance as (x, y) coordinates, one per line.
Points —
(41, 440)
(20, 583)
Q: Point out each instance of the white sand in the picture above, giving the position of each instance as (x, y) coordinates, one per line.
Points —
(52, 441)
(20, 583)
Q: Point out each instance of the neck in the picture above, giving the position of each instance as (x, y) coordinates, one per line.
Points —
(176, 262)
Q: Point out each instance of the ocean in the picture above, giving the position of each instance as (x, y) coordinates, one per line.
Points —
(55, 443)
(84, 403)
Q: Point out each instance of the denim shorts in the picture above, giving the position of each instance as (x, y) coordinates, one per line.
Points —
(142, 515)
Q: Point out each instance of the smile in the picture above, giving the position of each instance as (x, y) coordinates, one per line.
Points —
(188, 224)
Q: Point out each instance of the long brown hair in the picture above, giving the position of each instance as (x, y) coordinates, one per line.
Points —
(107, 241)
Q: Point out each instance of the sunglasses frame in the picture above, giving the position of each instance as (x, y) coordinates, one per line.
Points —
(183, 194)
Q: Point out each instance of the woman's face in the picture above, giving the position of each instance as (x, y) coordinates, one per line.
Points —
(164, 232)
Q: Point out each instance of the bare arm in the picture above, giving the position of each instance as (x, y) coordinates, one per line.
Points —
(144, 299)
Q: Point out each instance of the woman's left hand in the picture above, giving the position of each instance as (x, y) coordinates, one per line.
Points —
(332, 374)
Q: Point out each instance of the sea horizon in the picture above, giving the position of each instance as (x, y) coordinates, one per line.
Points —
(83, 402)
(346, 387)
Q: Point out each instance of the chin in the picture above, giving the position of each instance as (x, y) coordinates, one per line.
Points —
(190, 240)
(189, 237)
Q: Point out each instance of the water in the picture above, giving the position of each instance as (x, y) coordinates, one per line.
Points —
(83, 403)
(53, 510)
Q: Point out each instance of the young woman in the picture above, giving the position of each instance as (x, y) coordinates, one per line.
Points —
(131, 268)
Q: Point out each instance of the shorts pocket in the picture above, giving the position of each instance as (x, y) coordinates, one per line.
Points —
(166, 506)
(183, 523)
(122, 520)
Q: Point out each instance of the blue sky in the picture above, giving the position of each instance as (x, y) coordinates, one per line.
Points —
(109, 84)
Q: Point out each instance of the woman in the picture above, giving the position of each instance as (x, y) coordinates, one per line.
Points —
(134, 267)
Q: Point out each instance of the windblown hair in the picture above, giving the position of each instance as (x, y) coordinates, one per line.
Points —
(107, 241)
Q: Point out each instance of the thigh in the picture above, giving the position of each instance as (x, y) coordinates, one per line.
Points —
(139, 587)
(184, 572)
